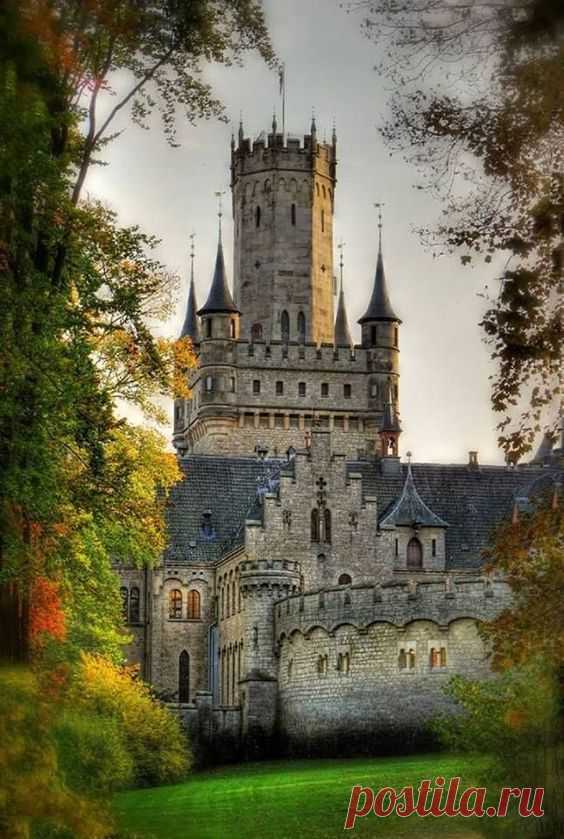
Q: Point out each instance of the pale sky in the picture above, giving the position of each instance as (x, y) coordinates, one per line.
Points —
(444, 388)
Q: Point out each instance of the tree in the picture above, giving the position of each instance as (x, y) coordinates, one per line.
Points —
(77, 292)
(478, 107)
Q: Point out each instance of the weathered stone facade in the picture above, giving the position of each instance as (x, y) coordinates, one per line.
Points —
(315, 590)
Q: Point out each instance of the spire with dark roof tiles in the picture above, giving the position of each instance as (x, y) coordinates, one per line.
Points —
(191, 326)
(410, 509)
(219, 298)
(379, 307)
(342, 331)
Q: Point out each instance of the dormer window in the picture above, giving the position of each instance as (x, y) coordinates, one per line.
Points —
(207, 530)
(414, 555)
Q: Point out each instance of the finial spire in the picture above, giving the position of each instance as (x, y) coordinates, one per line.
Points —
(313, 129)
(334, 133)
(274, 124)
(342, 330)
(191, 326)
(241, 131)
(341, 247)
(379, 205)
(192, 254)
(219, 196)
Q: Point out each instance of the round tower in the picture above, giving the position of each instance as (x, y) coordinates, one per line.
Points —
(217, 381)
(380, 336)
(283, 194)
(262, 582)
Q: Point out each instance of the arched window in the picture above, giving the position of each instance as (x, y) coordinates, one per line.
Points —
(315, 525)
(233, 598)
(323, 221)
(414, 554)
(345, 580)
(232, 329)
(256, 331)
(373, 335)
(124, 594)
(301, 327)
(184, 677)
(257, 216)
(134, 614)
(327, 526)
(285, 326)
(395, 336)
(293, 214)
(228, 600)
(209, 323)
(194, 605)
(175, 604)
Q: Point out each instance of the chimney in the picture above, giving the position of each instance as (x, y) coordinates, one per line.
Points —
(473, 460)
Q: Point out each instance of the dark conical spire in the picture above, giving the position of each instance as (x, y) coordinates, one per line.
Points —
(379, 307)
(342, 331)
(191, 327)
(219, 298)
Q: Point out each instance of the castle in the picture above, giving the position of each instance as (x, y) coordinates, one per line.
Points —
(316, 588)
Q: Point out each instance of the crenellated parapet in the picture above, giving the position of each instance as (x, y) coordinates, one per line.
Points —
(275, 579)
(398, 603)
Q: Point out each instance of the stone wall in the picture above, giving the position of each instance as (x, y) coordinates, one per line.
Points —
(362, 668)
(170, 636)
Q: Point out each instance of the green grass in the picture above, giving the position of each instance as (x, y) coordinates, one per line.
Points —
(291, 800)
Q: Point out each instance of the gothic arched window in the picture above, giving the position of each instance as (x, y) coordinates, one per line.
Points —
(134, 613)
(184, 677)
(327, 526)
(256, 331)
(414, 554)
(285, 325)
(315, 525)
(301, 327)
(345, 580)
(175, 604)
(194, 602)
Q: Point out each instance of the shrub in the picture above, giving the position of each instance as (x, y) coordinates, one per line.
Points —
(152, 735)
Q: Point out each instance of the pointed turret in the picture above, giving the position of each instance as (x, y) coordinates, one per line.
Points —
(191, 326)
(379, 308)
(219, 299)
(410, 510)
(342, 331)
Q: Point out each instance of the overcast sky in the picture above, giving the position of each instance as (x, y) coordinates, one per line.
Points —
(444, 388)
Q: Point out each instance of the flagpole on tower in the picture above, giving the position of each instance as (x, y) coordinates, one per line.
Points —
(282, 83)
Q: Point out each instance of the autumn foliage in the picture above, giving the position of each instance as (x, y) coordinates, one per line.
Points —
(47, 618)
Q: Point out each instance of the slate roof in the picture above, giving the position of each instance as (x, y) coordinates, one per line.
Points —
(379, 307)
(229, 488)
(410, 509)
(219, 298)
(342, 331)
(472, 501)
(191, 326)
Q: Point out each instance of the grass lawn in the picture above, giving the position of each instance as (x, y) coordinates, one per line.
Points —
(293, 800)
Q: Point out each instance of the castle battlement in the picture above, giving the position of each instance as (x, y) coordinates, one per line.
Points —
(274, 151)
(397, 602)
(301, 356)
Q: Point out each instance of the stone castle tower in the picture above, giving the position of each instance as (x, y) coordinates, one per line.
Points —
(273, 359)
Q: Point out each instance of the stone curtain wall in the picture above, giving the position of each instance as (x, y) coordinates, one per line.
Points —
(372, 701)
